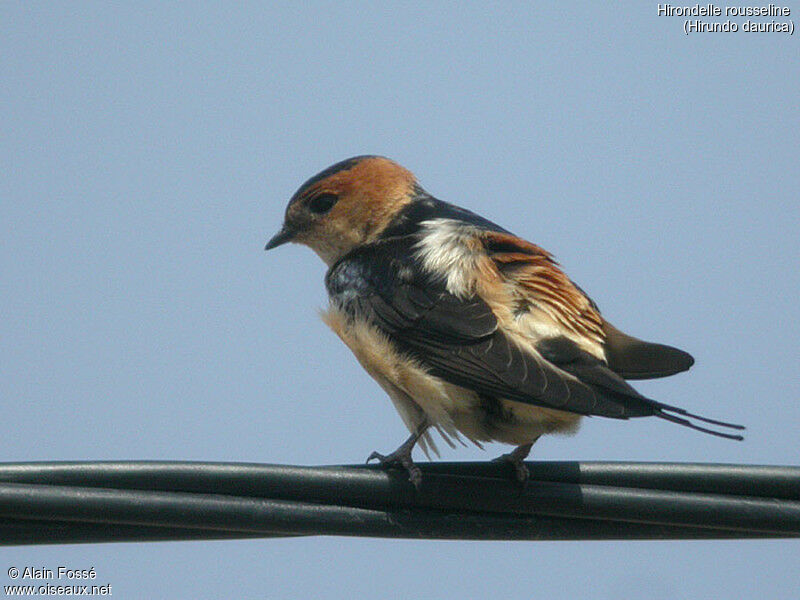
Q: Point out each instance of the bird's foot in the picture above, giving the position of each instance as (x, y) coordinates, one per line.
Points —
(516, 458)
(400, 458)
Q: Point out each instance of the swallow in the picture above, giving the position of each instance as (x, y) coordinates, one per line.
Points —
(470, 330)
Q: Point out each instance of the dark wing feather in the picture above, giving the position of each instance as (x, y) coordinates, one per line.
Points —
(459, 340)
(569, 357)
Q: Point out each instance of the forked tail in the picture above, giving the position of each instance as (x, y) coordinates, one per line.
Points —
(665, 411)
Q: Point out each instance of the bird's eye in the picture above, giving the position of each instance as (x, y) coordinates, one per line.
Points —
(322, 203)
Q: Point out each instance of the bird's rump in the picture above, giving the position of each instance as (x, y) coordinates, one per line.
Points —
(538, 282)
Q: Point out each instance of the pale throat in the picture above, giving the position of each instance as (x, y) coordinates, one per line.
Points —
(331, 248)
(338, 240)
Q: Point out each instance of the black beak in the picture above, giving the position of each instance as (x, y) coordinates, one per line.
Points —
(280, 238)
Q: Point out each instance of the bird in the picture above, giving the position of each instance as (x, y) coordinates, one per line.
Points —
(471, 330)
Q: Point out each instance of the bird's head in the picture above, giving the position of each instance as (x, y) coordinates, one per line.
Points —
(345, 206)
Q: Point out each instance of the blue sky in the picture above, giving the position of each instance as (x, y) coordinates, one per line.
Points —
(149, 150)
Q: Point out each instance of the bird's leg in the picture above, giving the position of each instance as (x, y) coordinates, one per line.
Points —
(516, 458)
(402, 457)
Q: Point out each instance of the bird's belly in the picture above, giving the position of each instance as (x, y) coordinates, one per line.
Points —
(510, 422)
(405, 380)
(419, 395)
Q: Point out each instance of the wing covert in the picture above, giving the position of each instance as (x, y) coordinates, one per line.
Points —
(460, 339)
(457, 339)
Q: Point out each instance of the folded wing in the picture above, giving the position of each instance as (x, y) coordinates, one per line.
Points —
(461, 341)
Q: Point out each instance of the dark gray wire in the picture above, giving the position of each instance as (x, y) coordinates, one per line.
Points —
(127, 501)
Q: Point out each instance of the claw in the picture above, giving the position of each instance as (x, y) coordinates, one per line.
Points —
(401, 458)
(516, 458)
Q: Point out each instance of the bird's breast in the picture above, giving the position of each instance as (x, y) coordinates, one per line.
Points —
(448, 406)
(381, 358)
